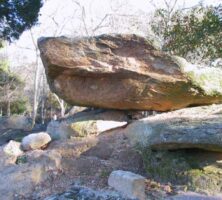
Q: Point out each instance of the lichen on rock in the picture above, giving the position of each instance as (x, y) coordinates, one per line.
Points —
(209, 79)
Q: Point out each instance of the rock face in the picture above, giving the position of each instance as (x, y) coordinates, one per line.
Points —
(125, 72)
(87, 123)
(130, 184)
(35, 141)
(197, 127)
(13, 148)
(85, 128)
(19, 180)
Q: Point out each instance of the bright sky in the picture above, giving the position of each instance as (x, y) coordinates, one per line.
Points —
(65, 18)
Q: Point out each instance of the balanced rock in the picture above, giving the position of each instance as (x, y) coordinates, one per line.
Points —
(197, 127)
(125, 72)
(35, 141)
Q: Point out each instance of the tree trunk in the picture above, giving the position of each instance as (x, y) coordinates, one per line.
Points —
(35, 99)
(62, 106)
(36, 83)
(42, 110)
(8, 108)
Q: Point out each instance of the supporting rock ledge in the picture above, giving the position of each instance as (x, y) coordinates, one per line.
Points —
(197, 127)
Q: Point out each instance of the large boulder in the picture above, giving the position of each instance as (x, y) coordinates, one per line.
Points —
(125, 72)
(197, 127)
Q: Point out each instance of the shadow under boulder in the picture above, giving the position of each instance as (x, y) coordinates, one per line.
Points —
(193, 169)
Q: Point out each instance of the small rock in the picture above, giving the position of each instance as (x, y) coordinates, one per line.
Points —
(35, 141)
(13, 148)
(130, 184)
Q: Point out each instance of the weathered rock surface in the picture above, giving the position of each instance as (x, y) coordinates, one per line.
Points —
(18, 181)
(125, 72)
(6, 159)
(13, 148)
(9, 153)
(86, 123)
(128, 183)
(197, 127)
(35, 141)
(84, 193)
(11, 134)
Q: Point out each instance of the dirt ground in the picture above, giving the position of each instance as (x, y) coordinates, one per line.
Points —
(89, 161)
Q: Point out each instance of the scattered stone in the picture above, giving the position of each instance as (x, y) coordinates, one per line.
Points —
(13, 148)
(35, 141)
(125, 72)
(128, 183)
(197, 127)
(84, 193)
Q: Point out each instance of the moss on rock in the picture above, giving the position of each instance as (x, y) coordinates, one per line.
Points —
(84, 128)
(209, 79)
(200, 171)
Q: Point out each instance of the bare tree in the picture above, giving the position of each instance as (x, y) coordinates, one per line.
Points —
(36, 79)
(10, 87)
